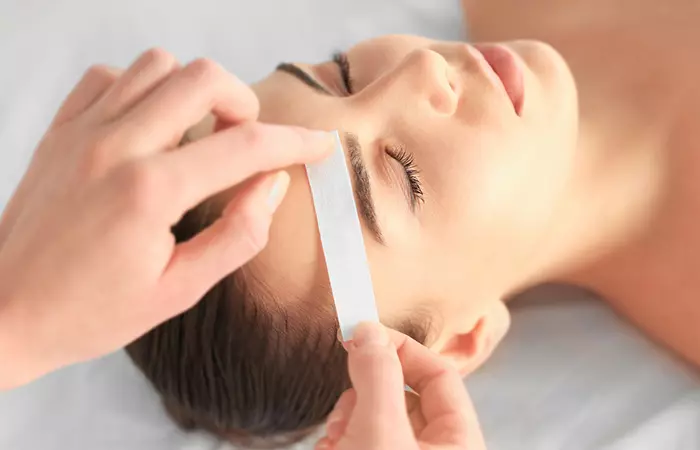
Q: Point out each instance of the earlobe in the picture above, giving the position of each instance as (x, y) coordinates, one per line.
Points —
(469, 348)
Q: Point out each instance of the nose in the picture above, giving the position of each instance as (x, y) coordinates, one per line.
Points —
(430, 78)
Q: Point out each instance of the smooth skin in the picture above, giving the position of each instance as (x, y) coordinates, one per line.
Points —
(377, 414)
(88, 262)
(87, 258)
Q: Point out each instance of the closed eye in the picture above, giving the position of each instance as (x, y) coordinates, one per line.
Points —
(413, 182)
(304, 77)
(341, 60)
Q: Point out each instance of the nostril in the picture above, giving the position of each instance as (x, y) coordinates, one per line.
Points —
(445, 91)
(436, 79)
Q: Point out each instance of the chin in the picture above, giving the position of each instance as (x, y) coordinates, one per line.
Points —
(545, 63)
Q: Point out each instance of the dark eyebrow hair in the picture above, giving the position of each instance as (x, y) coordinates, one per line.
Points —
(363, 188)
(302, 76)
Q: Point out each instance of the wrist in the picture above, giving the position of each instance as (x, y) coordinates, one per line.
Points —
(17, 366)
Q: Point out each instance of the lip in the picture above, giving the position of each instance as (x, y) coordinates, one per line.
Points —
(505, 64)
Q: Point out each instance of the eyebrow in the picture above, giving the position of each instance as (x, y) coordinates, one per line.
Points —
(363, 187)
(302, 76)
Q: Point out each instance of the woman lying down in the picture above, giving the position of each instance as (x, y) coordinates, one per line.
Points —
(478, 171)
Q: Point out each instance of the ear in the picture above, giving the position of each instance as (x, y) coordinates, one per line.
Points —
(469, 348)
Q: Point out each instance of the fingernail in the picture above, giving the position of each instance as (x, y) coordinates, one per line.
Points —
(280, 183)
(370, 334)
(321, 139)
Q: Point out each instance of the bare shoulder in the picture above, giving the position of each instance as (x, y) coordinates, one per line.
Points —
(559, 20)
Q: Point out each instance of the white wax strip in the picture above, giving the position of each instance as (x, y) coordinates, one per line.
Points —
(342, 242)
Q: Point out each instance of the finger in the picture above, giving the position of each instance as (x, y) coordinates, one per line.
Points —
(212, 164)
(375, 372)
(89, 89)
(230, 242)
(440, 387)
(337, 420)
(415, 414)
(199, 88)
(141, 78)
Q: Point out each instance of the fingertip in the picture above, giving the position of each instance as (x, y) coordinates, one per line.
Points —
(278, 190)
(320, 144)
(375, 367)
(370, 334)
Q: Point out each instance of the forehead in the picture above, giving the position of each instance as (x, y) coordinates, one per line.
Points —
(291, 265)
(286, 100)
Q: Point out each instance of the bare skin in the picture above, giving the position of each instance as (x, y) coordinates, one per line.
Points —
(636, 68)
(592, 183)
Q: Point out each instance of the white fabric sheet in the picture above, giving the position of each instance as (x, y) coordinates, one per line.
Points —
(569, 376)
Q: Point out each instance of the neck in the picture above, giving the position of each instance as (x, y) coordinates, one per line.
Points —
(615, 189)
(633, 86)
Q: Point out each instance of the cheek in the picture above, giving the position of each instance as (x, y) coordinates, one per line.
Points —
(513, 193)
(490, 198)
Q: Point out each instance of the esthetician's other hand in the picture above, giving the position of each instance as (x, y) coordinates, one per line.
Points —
(87, 259)
(378, 415)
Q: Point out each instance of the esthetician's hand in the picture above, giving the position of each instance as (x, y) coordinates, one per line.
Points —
(87, 259)
(378, 415)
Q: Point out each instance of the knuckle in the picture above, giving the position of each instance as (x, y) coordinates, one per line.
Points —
(461, 429)
(204, 70)
(254, 134)
(158, 58)
(98, 152)
(143, 186)
(100, 72)
(104, 140)
(377, 359)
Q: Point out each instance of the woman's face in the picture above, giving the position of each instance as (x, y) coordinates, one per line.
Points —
(463, 173)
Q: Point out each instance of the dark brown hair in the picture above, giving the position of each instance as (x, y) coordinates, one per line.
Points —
(243, 365)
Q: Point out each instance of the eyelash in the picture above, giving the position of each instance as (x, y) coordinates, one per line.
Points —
(341, 59)
(412, 173)
(397, 152)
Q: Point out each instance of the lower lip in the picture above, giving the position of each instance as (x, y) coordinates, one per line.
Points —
(505, 64)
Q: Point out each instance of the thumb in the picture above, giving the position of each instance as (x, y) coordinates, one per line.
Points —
(233, 240)
(377, 377)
